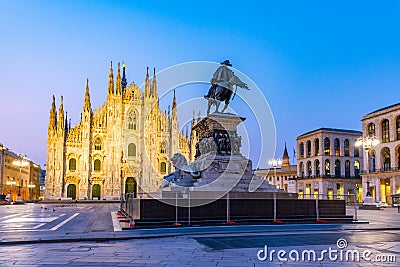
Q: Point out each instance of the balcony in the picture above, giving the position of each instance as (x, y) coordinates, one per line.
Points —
(328, 176)
(397, 169)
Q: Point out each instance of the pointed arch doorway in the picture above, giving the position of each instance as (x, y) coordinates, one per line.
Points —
(131, 186)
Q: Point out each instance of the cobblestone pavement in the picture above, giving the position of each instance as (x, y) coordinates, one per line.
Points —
(194, 246)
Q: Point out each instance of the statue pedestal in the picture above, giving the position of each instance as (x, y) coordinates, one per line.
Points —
(218, 157)
(368, 201)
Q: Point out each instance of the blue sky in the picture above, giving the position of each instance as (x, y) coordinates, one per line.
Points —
(318, 63)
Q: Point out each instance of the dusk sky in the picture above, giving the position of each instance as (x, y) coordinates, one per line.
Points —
(318, 63)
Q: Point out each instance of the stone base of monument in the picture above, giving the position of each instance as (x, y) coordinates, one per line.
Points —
(368, 204)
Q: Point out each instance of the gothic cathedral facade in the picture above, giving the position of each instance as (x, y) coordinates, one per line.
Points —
(121, 147)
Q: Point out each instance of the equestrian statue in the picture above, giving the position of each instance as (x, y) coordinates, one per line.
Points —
(221, 88)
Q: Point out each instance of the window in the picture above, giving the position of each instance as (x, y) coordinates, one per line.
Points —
(132, 120)
(270, 179)
(317, 169)
(372, 166)
(131, 150)
(301, 169)
(398, 158)
(385, 131)
(336, 145)
(163, 167)
(97, 144)
(327, 167)
(327, 146)
(337, 168)
(72, 164)
(346, 145)
(398, 128)
(386, 159)
(309, 169)
(308, 148)
(356, 151)
(347, 169)
(316, 147)
(301, 149)
(163, 147)
(277, 178)
(357, 169)
(97, 165)
(371, 129)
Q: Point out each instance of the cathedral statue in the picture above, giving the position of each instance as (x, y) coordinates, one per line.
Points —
(221, 88)
(184, 175)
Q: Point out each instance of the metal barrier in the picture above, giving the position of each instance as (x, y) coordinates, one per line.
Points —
(183, 213)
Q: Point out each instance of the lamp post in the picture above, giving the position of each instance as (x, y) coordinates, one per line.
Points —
(367, 143)
(21, 162)
(274, 163)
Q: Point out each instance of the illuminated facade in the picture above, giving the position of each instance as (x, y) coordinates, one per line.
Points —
(125, 142)
(14, 179)
(383, 160)
(329, 163)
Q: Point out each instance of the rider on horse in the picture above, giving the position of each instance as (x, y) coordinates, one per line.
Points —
(221, 86)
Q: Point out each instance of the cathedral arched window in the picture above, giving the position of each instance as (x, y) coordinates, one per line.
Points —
(327, 167)
(372, 163)
(163, 167)
(346, 144)
(371, 129)
(385, 131)
(301, 169)
(97, 144)
(97, 165)
(327, 146)
(398, 158)
(163, 147)
(132, 120)
(316, 147)
(317, 168)
(72, 164)
(336, 145)
(131, 150)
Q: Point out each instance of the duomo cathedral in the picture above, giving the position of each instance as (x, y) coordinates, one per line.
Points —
(123, 146)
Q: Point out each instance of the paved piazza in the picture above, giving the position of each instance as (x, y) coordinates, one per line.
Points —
(83, 235)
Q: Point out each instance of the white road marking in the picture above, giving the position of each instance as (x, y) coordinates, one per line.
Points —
(28, 219)
(64, 222)
(9, 216)
(115, 221)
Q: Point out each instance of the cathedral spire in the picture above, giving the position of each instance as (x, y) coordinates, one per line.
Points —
(147, 84)
(285, 157)
(174, 102)
(111, 80)
(66, 122)
(154, 87)
(53, 114)
(123, 82)
(87, 105)
(119, 90)
(61, 124)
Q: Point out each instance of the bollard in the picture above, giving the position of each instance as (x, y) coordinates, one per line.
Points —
(176, 210)
(274, 206)
(189, 209)
(355, 208)
(228, 214)
(317, 208)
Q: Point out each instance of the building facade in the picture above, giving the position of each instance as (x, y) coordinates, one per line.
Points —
(281, 176)
(16, 178)
(329, 163)
(382, 162)
(121, 147)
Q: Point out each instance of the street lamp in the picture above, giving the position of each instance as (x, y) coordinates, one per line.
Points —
(31, 186)
(367, 143)
(21, 162)
(274, 163)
